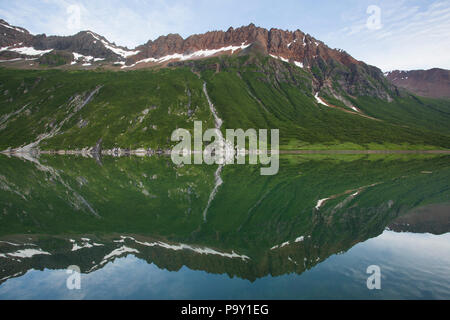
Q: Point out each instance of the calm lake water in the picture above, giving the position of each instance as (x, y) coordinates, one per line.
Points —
(144, 228)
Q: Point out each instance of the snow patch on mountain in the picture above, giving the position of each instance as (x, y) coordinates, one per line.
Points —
(27, 253)
(120, 52)
(11, 27)
(28, 51)
(320, 203)
(279, 58)
(196, 54)
(85, 244)
(319, 100)
(182, 246)
(118, 252)
(79, 56)
(297, 63)
(290, 43)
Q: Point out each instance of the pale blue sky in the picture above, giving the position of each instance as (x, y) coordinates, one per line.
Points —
(412, 34)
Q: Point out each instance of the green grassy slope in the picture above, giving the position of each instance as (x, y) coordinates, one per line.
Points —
(141, 108)
(279, 95)
(131, 110)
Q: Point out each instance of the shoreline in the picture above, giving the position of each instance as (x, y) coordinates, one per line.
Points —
(364, 152)
(143, 152)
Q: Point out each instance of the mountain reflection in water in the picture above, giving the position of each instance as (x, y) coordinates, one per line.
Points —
(303, 233)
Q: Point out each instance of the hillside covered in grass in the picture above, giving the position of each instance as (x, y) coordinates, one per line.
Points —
(55, 110)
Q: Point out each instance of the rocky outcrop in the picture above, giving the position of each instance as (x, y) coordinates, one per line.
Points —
(288, 45)
(86, 43)
(11, 35)
(17, 42)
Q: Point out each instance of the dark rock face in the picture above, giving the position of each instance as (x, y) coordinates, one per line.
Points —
(293, 46)
(11, 35)
(361, 80)
(9, 55)
(434, 83)
(85, 43)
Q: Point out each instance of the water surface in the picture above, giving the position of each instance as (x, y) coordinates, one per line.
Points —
(144, 228)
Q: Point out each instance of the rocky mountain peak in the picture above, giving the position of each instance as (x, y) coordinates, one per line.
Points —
(294, 46)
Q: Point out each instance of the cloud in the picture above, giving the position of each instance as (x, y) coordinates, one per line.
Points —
(412, 36)
(413, 33)
(127, 23)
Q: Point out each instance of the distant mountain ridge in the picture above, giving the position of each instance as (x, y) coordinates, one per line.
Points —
(19, 43)
(434, 83)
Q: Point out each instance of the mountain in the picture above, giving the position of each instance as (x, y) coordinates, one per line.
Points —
(297, 48)
(434, 83)
(431, 219)
(84, 48)
(317, 96)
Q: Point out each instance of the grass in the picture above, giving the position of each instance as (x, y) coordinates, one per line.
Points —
(138, 109)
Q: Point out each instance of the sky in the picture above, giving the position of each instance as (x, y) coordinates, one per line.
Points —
(400, 34)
